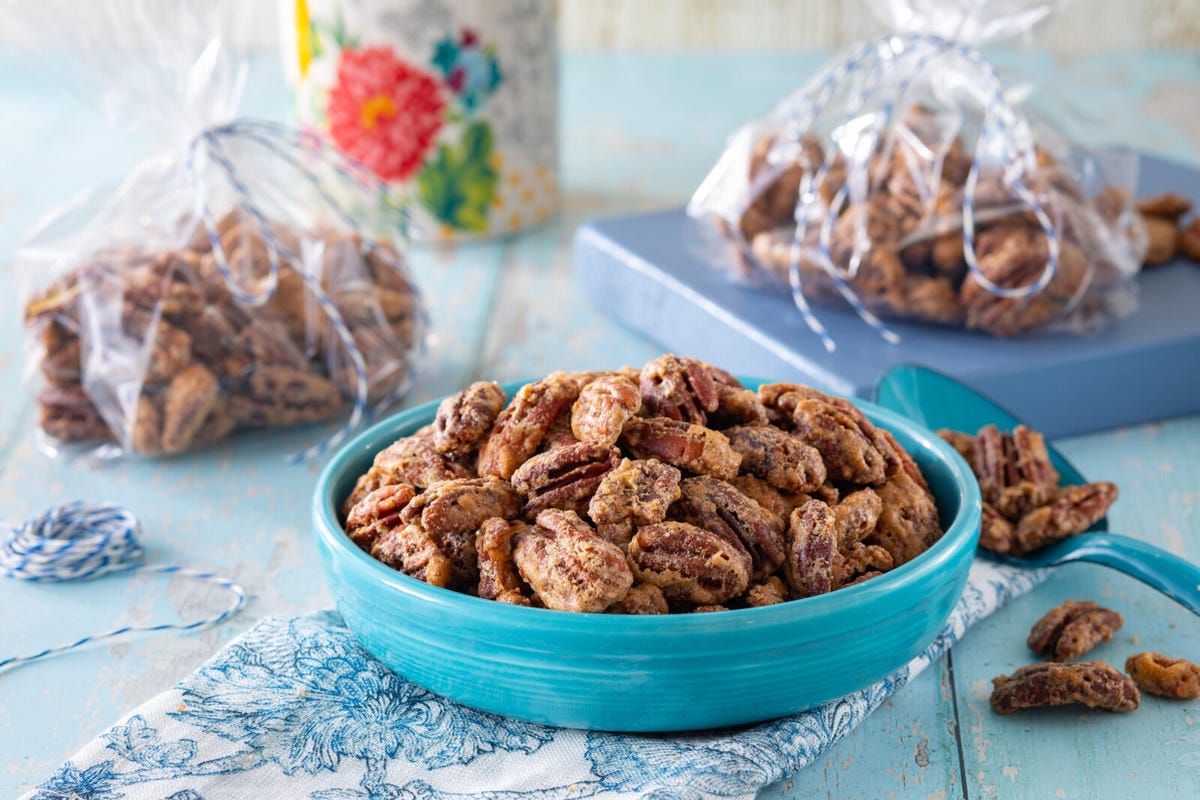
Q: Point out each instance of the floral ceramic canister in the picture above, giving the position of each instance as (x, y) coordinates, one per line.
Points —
(452, 102)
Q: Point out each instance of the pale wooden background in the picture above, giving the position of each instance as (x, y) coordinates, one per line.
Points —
(1084, 26)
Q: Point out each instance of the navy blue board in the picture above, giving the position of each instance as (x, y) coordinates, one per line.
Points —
(643, 270)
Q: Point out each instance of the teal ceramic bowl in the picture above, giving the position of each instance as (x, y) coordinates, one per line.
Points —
(649, 673)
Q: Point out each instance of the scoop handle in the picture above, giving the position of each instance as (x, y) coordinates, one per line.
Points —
(1175, 577)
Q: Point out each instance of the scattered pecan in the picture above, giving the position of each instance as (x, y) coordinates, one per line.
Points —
(718, 507)
(812, 549)
(498, 577)
(462, 505)
(463, 419)
(565, 478)
(1092, 683)
(604, 406)
(1159, 675)
(778, 458)
(690, 447)
(569, 566)
(377, 513)
(521, 426)
(1074, 510)
(688, 563)
(1072, 629)
(679, 388)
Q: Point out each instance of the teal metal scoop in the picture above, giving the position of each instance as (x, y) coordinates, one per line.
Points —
(936, 401)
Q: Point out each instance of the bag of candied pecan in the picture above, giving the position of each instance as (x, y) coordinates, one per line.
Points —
(906, 181)
(246, 276)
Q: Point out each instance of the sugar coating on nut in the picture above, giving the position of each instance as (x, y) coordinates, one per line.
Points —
(689, 563)
(604, 406)
(463, 419)
(1090, 683)
(1072, 629)
(521, 426)
(690, 447)
(568, 566)
(1160, 675)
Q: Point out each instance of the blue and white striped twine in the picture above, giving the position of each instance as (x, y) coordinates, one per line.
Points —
(869, 63)
(285, 143)
(79, 541)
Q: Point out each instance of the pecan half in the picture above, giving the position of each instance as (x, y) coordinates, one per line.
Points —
(521, 426)
(463, 419)
(679, 388)
(768, 593)
(145, 434)
(689, 564)
(1091, 683)
(638, 491)
(812, 549)
(604, 406)
(416, 552)
(908, 521)
(856, 516)
(565, 477)
(67, 413)
(277, 396)
(1015, 473)
(690, 447)
(1159, 675)
(569, 566)
(843, 435)
(377, 513)
(643, 598)
(778, 458)
(191, 396)
(860, 559)
(718, 507)
(462, 505)
(1074, 510)
(996, 533)
(414, 459)
(737, 405)
(1072, 629)
(498, 577)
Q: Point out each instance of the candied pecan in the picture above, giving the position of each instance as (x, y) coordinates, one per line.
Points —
(767, 593)
(564, 478)
(863, 578)
(1074, 510)
(1162, 238)
(170, 348)
(568, 566)
(521, 426)
(262, 343)
(688, 563)
(191, 396)
(896, 458)
(718, 507)
(1092, 683)
(559, 435)
(778, 458)
(276, 396)
(771, 499)
(498, 577)
(603, 408)
(1015, 472)
(463, 419)
(859, 559)
(377, 513)
(638, 491)
(964, 443)
(217, 425)
(1072, 629)
(415, 552)
(146, 432)
(908, 523)
(67, 413)
(737, 405)
(1189, 240)
(856, 516)
(691, 447)
(1167, 205)
(931, 299)
(462, 504)
(1159, 675)
(996, 533)
(61, 352)
(708, 608)
(812, 549)
(844, 437)
(679, 388)
(643, 598)
(413, 459)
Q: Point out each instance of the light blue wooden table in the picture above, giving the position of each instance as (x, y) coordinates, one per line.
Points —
(638, 133)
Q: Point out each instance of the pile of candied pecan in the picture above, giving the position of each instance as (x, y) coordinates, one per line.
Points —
(149, 348)
(1024, 508)
(670, 489)
(1071, 630)
(909, 232)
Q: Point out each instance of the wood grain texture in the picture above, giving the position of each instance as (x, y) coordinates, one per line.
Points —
(638, 131)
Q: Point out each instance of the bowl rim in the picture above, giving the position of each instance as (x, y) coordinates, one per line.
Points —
(961, 534)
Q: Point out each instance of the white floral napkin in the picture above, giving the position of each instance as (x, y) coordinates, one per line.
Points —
(295, 708)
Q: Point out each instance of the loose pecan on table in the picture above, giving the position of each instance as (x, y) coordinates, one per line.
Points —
(1072, 629)
(1160, 675)
(1090, 683)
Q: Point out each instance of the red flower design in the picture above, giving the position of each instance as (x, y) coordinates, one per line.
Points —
(384, 112)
